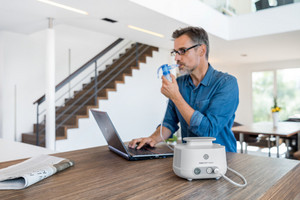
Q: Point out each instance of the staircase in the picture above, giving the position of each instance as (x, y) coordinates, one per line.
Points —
(77, 107)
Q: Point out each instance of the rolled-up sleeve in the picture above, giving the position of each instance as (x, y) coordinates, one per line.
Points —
(171, 119)
(196, 119)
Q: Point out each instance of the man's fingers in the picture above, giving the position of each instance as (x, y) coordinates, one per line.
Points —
(133, 142)
(173, 78)
(152, 143)
(142, 143)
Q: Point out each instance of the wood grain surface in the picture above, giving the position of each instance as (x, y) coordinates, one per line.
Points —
(100, 174)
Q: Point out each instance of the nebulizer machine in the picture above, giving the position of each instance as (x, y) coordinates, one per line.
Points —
(199, 157)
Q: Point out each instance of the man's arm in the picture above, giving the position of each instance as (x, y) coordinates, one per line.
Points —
(152, 140)
(220, 108)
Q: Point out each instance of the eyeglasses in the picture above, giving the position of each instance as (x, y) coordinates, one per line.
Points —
(183, 51)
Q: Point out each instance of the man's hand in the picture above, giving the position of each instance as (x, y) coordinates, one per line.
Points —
(152, 140)
(170, 89)
(140, 142)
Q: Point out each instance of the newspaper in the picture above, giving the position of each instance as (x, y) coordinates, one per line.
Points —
(31, 171)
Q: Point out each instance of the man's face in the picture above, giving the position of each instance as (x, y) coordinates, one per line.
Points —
(191, 58)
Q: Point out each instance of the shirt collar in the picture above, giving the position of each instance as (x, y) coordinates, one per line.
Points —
(207, 78)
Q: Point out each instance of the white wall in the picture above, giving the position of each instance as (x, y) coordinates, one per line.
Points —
(21, 70)
(1, 80)
(268, 21)
(22, 67)
(135, 109)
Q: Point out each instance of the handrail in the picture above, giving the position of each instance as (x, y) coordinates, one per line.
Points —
(116, 70)
(120, 69)
(77, 72)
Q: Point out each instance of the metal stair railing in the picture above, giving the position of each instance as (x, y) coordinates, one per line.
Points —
(71, 77)
(138, 52)
(120, 69)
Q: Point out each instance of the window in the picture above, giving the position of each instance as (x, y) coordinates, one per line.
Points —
(285, 84)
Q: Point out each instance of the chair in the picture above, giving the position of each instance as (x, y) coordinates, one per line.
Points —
(247, 138)
(292, 142)
(284, 2)
(261, 141)
(262, 4)
(296, 155)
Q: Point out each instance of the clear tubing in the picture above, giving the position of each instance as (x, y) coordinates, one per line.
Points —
(161, 125)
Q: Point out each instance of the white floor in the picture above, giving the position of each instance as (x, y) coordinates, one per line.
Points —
(253, 150)
(10, 150)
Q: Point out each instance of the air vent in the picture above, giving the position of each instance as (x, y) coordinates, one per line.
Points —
(109, 20)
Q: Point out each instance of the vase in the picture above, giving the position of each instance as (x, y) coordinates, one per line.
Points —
(275, 117)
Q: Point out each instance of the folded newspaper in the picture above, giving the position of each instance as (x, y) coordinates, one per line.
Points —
(31, 171)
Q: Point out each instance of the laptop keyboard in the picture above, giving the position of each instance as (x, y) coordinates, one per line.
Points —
(142, 151)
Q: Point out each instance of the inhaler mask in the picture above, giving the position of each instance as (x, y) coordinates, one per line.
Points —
(186, 163)
(166, 70)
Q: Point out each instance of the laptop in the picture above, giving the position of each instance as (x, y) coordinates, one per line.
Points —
(116, 145)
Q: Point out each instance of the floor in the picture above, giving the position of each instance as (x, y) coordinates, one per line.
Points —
(16, 150)
(253, 150)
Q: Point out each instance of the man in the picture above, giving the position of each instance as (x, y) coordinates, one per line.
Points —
(204, 100)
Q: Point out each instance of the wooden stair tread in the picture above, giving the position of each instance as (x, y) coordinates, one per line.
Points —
(109, 81)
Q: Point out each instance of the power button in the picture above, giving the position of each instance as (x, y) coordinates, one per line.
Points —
(209, 170)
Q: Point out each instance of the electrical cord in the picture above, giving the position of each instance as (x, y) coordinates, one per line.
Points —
(231, 181)
(163, 138)
(161, 125)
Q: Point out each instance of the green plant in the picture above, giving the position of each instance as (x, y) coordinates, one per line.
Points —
(275, 108)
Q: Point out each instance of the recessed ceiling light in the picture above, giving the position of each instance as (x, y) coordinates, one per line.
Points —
(146, 31)
(64, 6)
(109, 20)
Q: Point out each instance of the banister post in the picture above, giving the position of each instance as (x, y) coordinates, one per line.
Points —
(95, 82)
(50, 87)
(137, 54)
(37, 125)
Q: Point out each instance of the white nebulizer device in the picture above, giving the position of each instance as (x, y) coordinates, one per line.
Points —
(200, 158)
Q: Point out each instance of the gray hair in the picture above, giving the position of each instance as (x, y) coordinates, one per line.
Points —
(197, 34)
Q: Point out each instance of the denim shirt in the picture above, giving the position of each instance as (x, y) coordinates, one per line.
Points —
(214, 100)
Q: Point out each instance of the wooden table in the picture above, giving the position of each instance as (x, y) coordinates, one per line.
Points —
(284, 129)
(100, 174)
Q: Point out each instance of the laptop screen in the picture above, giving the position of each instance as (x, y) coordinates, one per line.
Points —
(108, 130)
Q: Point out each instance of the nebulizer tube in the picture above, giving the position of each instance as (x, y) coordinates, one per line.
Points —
(231, 181)
(166, 72)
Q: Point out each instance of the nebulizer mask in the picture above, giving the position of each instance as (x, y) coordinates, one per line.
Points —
(199, 157)
(166, 70)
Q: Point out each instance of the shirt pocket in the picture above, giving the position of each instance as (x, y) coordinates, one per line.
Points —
(201, 106)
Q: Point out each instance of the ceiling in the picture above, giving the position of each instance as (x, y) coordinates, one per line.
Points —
(29, 16)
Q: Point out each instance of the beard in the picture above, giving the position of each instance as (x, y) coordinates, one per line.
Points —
(183, 70)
